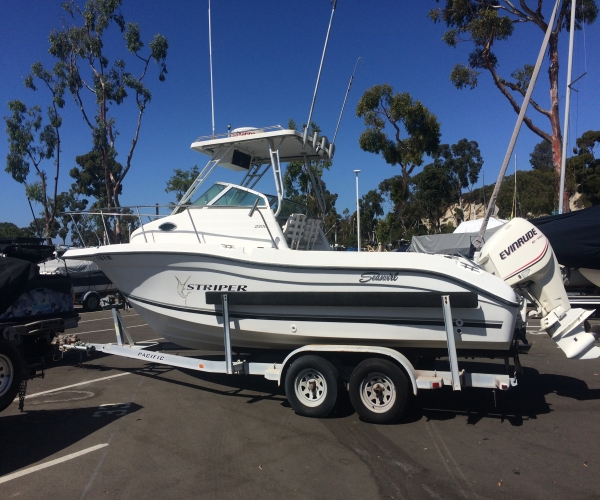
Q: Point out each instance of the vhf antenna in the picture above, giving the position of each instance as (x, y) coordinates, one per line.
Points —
(333, 2)
(212, 96)
(344, 104)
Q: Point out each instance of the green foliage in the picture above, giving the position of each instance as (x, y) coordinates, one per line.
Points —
(522, 77)
(371, 207)
(585, 167)
(379, 105)
(541, 157)
(462, 76)
(10, 230)
(30, 143)
(536, 194)
(463, 160)
(434, 192)
(89, 177)
(181, 181)
(415, 131)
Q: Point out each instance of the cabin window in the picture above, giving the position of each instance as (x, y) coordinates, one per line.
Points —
(209, 195)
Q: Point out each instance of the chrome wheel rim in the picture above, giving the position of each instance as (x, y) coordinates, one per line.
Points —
(6, 374)
(310, 387)
(377, 392)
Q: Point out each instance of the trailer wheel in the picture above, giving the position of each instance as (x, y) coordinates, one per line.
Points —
(378, 391)
(11, 373)
(311, 386)
(91, 302)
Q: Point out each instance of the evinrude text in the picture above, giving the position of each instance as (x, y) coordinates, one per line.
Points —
(517, 244)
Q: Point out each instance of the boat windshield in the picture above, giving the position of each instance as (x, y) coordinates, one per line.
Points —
(288, 207)
(209, 195)
(235, 197)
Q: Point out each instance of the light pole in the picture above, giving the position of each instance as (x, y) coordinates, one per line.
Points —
(357, 211)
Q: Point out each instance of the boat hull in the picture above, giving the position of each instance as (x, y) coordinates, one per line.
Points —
(168, 290)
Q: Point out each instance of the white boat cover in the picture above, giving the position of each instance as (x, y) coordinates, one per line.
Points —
(473, 226)
(57, 266)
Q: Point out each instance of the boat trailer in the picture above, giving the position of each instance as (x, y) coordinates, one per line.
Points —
(310, 378)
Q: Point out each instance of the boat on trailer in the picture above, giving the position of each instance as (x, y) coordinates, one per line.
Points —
(233, 268)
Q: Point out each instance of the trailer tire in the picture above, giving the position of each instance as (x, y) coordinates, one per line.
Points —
(91, 302)
(11, 373)
(379, 391)
(311, 386)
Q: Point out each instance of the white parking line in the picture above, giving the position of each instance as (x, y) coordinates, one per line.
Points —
(24, 472)
(109, 329)
(107, 318)
(74, 385)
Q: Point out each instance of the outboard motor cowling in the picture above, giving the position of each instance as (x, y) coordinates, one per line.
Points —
(521, 255)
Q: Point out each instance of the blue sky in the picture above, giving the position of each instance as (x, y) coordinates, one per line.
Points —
(266, 56)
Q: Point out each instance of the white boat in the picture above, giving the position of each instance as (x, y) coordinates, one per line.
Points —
(286, 288)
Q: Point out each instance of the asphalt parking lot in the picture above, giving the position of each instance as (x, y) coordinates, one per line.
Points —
(120, 428)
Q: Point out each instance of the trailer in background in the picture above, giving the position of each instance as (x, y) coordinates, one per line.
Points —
(89, 282)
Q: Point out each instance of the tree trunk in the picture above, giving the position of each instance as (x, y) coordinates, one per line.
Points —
(555, 116)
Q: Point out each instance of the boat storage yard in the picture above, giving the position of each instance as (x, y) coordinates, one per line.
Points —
(121, 428)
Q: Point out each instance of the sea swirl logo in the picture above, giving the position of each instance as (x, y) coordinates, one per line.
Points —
(375, 276)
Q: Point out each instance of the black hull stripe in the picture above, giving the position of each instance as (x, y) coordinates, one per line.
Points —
(320, 319)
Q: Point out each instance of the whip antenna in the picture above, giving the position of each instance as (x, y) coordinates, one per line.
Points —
(344, 104)
(334, 2)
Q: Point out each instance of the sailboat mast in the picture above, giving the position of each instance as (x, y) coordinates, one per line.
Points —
(567, 109)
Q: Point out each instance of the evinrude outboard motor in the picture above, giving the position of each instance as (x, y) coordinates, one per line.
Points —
(522, 256)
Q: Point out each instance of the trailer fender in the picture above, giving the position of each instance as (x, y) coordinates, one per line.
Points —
(386, 352)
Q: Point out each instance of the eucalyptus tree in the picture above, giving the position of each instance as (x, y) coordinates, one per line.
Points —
(98, 86)
(371, 207)
(464, 161)
(485, 22)
(31, 143)
(434, 193)
(415, 131)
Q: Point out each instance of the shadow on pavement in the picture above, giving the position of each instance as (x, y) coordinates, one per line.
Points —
(517, 405)
(31, 437)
